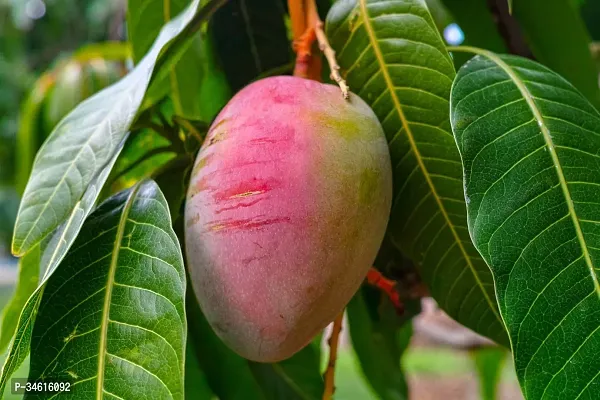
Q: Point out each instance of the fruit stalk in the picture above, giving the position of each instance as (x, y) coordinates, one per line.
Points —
(329, 53)
(333, 346)
(307, 28)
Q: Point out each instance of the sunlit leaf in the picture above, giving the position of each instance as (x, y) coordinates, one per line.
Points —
(393, 57)
(530, 144)
(84, 142)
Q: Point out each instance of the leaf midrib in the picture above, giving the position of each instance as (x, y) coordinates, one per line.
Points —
(109, 286)
(398, 106)
(551, 149)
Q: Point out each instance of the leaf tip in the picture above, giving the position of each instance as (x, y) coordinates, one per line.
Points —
(16, 248)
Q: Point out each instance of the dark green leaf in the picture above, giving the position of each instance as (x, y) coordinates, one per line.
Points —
(145, 20)
(250, 38)
(9, 204)
(112, 318)
(530, 144)
(379, 337)
(297, 378)
(558, 39)
(394, 58)
(196, 385)
(86, 140)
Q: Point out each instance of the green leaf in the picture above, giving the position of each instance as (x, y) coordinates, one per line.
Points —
(394, 58)
(489, 362)
(112, 317)
(86, 140)
(39, 114)
(560, 40)
(194, 68)
(250, 39)
(379, 338)
(52, 251)
(26, 284)
(145, 20)
(297, 378)
(529, 143)
(196, 385)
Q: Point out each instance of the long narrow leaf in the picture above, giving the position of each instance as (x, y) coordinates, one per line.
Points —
(530, 148)
(112, 318)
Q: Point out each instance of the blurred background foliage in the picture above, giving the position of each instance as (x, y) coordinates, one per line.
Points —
(34, 36)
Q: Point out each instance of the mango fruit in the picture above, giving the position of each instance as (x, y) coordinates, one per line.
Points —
(287, 207)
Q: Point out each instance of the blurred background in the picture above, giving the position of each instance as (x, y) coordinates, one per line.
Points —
(444, 361)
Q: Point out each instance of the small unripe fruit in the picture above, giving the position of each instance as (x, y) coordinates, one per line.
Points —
(287, 207)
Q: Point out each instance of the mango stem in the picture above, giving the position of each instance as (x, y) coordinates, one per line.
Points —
(329, 53)
(333, 347)
(387, 286)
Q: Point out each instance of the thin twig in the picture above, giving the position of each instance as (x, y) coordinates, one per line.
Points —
(333, 347)
(330, 56)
